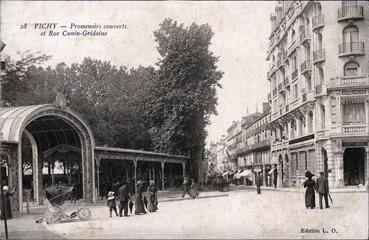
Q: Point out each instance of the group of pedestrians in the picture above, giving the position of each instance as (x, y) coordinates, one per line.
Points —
(141, 203)
(320, 186)
(190, 188)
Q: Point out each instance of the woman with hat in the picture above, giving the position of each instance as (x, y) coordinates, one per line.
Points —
(139, 206)
(153, 200)
(8, 207)
(309, 184)
(111, 203)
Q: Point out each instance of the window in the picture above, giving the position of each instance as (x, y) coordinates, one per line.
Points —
(354, 113)
(295, 91)
(351, 69)
(350, 34)
(310, 122)
(293, 128)
(297, 161)
(322, 116)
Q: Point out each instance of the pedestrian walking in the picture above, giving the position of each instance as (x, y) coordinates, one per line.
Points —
(124, 197)
(186, 187)
(139, 208)
(194, 189)
(259, 182)
(309, 184)
(275, 177)
(6, 207)
(130, 206)
(153, 199)
(111, 203)
(321, 187)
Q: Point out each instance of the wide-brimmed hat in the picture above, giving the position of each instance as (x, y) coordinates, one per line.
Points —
(308, 174)
(152, 182)
(139, 182)
(110, 195)
(5, 188)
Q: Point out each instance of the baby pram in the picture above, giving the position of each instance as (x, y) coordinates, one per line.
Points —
(56, 212)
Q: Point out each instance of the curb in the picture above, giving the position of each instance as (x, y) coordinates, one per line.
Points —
(200, 197)
(299, 190)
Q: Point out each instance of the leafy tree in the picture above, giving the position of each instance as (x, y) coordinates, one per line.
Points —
(183, 95)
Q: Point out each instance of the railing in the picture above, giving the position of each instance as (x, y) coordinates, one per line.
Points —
(351, 48)
(292, 47)
(318, 21)
(305, 66)
(286, 82)
(352, 129)
(279, 145)
(279, 87)
(294, 75)
(271, 71)
(318, 55)
(294, 103)
(322, 133)
(274, 91)
(344, 82)
(304, 36)
(350, 12)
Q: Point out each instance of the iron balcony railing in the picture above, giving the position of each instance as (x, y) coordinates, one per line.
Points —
(286, 82)
(350, 12)
(318, 21)
(348, 81)
(318, 55)
(351, 48)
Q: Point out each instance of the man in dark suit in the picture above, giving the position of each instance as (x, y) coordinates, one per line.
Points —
(124, 198)
(321, 187)
(259, 182)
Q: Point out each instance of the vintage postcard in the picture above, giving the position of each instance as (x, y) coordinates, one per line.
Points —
(184, 119)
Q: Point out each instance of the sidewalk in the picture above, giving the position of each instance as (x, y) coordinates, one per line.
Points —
(295, 189)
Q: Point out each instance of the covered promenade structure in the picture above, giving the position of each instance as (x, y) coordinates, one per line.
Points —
(36, 137)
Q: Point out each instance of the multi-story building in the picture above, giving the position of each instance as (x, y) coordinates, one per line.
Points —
(234, 138)
(319, 79)
(222, 157)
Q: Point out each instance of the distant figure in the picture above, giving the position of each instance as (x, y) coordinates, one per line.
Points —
(6, 204)
(124, 197)
(130, 206)
(139, 199)
(321, 187)
(153, 199)
(74, 194)
(186, 187)
(111, 203)
(259, 182)
(309, 184)
(194, 189)
(275, 177)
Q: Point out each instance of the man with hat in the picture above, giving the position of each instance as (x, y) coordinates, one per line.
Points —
(123, 198)
(321, 187)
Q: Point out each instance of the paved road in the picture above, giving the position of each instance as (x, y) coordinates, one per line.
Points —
(242, 214)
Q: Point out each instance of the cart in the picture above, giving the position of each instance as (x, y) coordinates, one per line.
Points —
(57, 209)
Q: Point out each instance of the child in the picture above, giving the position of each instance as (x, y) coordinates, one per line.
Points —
(111, 203)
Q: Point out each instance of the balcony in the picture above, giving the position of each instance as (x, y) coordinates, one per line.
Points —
(351, 48)
(294, 75)
(271, 71)
(274, 92)
(347, 82)
(269, 97)
(355, 129)
(306, 67)
(295, 103)
(318, 22)
(279, 87)
(320, 90)
(322, 134)
(278, 145)
(350, 12)
(286, 82)
(305, 37)
(318, 56)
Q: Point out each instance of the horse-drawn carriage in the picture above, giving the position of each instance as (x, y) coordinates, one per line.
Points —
(58, 210)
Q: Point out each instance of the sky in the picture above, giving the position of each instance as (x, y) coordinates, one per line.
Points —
(241, 31)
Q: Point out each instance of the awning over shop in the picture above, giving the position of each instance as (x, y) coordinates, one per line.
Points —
(272, 170)
(246, 173)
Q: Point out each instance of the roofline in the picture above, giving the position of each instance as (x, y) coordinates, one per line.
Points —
(134, 151)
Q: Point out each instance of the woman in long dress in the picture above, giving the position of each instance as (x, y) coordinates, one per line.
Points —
(153, 199)
(139, 205)
(309, 184)
(194, 189)
(8, 206)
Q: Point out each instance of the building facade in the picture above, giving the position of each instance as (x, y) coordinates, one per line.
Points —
(319, 85)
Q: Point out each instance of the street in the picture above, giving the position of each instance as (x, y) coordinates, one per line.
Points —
(242, 214)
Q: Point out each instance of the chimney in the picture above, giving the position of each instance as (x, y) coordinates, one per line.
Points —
(266, 107)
